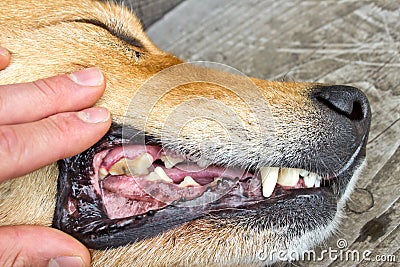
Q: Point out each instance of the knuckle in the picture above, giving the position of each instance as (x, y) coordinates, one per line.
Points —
(47, 89)
(60, 128)
(10, 144)
(12, 258)
(12, 255)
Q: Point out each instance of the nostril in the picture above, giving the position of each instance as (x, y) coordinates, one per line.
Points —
(357, 112)
(345, 100)
(352, 110)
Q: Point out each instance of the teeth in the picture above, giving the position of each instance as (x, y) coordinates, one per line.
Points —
(141, 164)
(304, 173)
(188, 181)
(310, 179)
(119, 168)
(138, 165)
(269, 178)
(102, 173)
(318, 181)
(288, 176)
(158, 175)
(170, 162)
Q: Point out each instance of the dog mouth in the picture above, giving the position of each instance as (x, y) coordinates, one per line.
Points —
(121, 191)
(137, 180)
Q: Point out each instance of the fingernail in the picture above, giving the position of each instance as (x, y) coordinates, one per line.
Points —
(66, 261)
(3, 52)
(87, 77)
(94, 115)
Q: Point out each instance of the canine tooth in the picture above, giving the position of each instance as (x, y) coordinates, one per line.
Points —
(140, 164)
(310, 179)
(119, 168)
(288, 176)
(188, 181)
(159, 174)
(269, 177)
(102, 173)
(170, 162)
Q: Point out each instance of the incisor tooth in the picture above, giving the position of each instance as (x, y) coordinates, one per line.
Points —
(170, 162)
(188, 181)
(317, 181)
(269, 177)
(288, 176)
(140, 164)
(310, 179)
(304, 173)
(157, 175)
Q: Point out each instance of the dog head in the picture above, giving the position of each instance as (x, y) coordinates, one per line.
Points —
(202, 166)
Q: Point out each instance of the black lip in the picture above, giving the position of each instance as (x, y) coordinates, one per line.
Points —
(90, 224)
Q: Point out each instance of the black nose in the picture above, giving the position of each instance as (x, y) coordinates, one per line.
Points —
(346, 101)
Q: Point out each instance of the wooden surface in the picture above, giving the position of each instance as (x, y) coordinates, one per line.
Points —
(149, 11)
(341, 42)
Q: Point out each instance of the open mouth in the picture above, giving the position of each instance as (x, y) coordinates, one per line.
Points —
(135, 180)
(121, 191)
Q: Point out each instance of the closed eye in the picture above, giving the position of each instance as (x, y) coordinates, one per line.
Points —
(128, 39)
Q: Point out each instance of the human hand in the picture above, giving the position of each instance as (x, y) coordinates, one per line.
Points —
(41, 122)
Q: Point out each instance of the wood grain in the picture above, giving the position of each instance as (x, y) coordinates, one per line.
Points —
(149, 11)
(340, 42)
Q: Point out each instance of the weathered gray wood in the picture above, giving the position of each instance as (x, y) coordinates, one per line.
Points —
(149, 11)
(342, 42)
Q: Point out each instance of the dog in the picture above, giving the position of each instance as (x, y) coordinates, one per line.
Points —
(201, 167)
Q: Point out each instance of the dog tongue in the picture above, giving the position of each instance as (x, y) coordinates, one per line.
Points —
(125, 196)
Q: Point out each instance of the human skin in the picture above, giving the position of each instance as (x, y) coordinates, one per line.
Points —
(41, 122)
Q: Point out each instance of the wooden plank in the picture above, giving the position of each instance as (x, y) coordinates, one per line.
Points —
(149, 11)
(342, 42)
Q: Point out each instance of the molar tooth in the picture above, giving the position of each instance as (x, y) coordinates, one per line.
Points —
(159, 174)
(188, 181)
(170, 162)
(140, 164)
(102, 173)
(310, 179)
(269, 177)
(119, 168)
(288, 176)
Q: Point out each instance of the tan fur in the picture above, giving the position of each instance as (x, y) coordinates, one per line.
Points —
(43, 43)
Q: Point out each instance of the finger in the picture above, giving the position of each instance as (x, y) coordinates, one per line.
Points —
(32, 101)
(40, 246)
(27, 147)
(4, 58)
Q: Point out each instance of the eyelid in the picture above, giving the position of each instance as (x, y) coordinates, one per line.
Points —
(120, 35)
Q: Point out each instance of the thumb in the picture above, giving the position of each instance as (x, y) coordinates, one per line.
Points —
(4, 58)
(40, 246)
